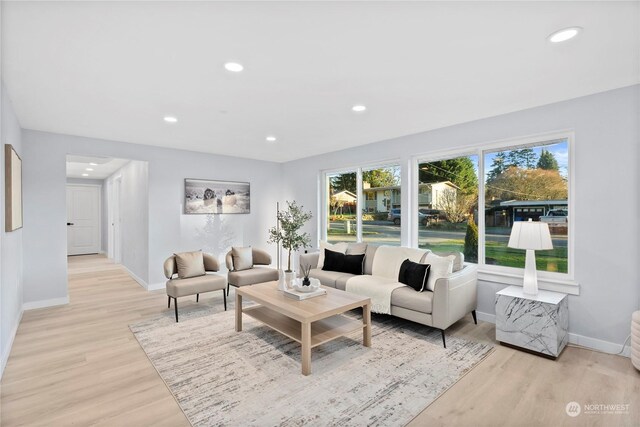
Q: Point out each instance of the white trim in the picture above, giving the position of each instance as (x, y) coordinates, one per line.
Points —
(34, 305)
(156, 286)
(580, 340)
(7, 351)
(135, 277)
(516, 278)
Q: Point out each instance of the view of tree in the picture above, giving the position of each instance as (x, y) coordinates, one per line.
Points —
(384, 177)
(547, 161)
(460, 171)
(457, 206)
(345, 181)
(498, 165)
(471, 242)
(523, 158)
(527, 184)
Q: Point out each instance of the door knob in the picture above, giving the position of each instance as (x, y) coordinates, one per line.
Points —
(69, 223)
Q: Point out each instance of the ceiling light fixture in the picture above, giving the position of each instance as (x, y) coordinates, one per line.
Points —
(234, 67)
(85, 174)
(564, 34)
(89, 169)
(359, 108)
(271, 138)
(170, 119)
(93, 164)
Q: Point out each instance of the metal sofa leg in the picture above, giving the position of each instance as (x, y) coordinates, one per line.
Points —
(475, 319)
(228, 284)
(444, 342)
(175, 303)
(224, 296)
(169, 303)
(197, 297)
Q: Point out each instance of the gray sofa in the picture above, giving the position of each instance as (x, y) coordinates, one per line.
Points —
(453, 296)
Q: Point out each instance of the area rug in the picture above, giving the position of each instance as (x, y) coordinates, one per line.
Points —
(221, 377)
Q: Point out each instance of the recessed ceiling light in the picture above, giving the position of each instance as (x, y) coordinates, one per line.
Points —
(234, 67)
(89, 169)
(358, 108)
(271, 138)
(564, 34)
(93, 164)
(170, 119)
(85, 174)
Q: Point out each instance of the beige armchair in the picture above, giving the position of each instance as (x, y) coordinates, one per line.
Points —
(177, 287)
(253, 275)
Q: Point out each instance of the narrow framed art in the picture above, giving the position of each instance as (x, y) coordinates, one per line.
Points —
(203, 196)
(12, 189)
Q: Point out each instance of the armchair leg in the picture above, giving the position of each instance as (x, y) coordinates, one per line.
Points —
(228, 284)
(224, 296)
(169, 302)
(444, 342)
(175, 303)
(197, 297)
(475, 319)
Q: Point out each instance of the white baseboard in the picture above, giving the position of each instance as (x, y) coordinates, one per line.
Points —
(156, 286)
(135, 277)
(7, 351)
(581, 340)
(45, 303)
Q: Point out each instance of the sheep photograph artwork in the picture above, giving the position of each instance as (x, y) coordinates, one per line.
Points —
(216, 197)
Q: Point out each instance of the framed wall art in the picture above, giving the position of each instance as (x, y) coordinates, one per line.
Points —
(12, 189)
(216, 197)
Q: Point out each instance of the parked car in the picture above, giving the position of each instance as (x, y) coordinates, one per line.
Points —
(395, 215)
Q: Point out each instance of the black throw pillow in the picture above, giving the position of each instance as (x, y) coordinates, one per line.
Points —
(336, 261)
(414, 274)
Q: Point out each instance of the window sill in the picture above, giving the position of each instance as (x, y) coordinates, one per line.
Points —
(566, 286)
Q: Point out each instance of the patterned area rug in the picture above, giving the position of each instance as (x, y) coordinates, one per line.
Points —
(220, 377)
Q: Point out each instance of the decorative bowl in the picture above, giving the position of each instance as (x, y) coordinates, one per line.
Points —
(297, 286)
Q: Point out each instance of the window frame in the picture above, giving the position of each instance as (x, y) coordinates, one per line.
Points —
(562, 282)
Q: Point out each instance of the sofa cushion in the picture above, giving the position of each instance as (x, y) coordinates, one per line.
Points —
(414, 275)
(242, 258)
(388, 259)
(338, 247)
(341, 281)
(252, 276)
(369, 255)
(440, 267)
(410, 299)
(195, 285)
(190, 264)
(329, 278)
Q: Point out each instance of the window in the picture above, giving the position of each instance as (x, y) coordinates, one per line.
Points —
(448, 205)
(522, 183)
(381, 215)
(341, 207)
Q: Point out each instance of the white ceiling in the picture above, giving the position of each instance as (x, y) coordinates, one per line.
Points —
(113, 69)
(103, 168)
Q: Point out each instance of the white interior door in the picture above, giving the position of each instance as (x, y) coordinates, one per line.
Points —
(115, 225)
(83, 219)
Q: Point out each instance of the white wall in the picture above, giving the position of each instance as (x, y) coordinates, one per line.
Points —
(606, 214)
(103, 206)
(10, 243)
(45, 277)
(134, 217)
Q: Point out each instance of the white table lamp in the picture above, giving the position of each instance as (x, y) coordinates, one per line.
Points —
(531, 236)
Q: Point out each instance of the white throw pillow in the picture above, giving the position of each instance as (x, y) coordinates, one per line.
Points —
(441, 266)
(338, 247)
(242, 258)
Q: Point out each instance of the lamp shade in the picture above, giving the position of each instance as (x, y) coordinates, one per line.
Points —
(530, 235)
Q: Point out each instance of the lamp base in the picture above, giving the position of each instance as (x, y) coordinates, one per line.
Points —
(530, 285)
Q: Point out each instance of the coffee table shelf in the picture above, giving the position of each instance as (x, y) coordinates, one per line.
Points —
(322, 331)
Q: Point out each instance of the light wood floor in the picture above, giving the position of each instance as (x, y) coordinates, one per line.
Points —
(79, 364)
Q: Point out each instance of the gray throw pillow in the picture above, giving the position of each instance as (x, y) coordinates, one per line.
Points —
(242, 258)
(190, 264)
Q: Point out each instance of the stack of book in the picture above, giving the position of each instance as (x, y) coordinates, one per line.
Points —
(292, 293)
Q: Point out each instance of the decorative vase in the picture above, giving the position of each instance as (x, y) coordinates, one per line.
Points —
(306, 281)
(281, 280)
(289, 276)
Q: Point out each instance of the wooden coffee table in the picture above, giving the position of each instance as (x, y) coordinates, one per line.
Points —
(310, 322)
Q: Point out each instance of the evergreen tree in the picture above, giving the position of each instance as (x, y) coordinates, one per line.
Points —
(547, 161)
(460, 171)
(523, 158)
(498, 165)
(471, 242)
(344, 181)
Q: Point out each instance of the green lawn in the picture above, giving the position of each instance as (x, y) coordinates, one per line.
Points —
(499, 254)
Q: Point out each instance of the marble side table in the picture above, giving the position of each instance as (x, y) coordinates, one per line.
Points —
(539, 324)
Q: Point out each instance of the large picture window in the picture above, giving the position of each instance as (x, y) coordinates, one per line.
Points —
(381, 188)
(523, 183)
(341, 207)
